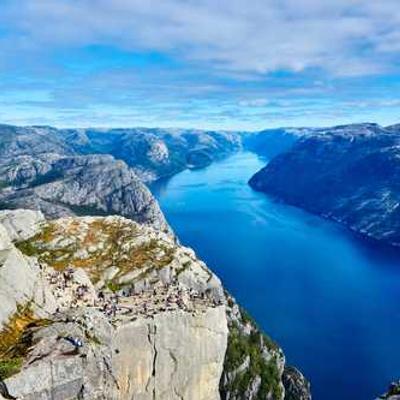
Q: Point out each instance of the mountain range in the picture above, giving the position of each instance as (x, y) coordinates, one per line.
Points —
(84, 244)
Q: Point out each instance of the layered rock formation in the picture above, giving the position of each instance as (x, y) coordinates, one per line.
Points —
(157, 153)
(106, 308)
(80, 172)
(82, 185)
(152, 153)
(347, 173)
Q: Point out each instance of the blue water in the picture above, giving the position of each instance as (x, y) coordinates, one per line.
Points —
(330, 299)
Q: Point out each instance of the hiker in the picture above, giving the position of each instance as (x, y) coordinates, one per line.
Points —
(74, 341)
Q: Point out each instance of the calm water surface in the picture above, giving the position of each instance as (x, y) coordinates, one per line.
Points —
(331, 300)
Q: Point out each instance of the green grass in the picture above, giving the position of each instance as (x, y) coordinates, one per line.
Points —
(10, 367)
(16, 339)
(28, 248)
(241, 346)
(114, 287)
(151, 254)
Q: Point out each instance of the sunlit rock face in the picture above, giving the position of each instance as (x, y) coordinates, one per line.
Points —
(65, 172)
(153, 322)
(95, 184)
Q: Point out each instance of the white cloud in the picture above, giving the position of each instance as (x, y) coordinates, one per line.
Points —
(342, 37)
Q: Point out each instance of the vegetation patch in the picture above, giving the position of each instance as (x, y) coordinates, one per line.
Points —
(113, 286)
(87, 210)
(104, 244)
(16, 339)
(244, 346)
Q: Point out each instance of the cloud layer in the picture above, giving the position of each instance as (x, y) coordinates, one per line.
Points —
(253, 52)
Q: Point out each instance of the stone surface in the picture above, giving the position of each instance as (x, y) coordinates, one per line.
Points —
(296, 386)
(174, 356)
(81, 185)
(20, 277)
(21, 224)
(154, 321)
(152, 153)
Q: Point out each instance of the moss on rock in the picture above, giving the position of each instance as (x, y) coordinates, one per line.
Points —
(242, 346)
(15, 340)
(112, 243)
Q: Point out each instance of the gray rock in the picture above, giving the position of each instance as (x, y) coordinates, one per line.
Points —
(21, 282)
(174, 356)
(153, 153)
(296, 385)
(96, 184)
(21, 224)
(170, 336)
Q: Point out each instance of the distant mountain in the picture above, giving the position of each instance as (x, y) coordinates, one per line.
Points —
(75, 171)
(153, 153)
(348, 173)
(271, 142)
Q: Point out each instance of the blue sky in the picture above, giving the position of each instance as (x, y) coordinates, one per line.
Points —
(237, 64)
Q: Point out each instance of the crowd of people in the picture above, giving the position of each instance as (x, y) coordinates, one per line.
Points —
(149, 302)
(128, 302)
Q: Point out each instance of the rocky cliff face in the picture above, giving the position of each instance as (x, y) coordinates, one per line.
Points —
(99, 172)
(76, 185)
(106, 308)
(157, 153)
(348, 173)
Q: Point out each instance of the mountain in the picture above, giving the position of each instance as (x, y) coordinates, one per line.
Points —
(106, 308)
(152, 153)
(348, 173)
(271, 142)
(157, 153)
(78, 185)
(88, 171)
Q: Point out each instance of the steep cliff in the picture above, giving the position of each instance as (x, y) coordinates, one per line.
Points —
(347, 173)
(99, 172)
(106, 308)
(76, 185)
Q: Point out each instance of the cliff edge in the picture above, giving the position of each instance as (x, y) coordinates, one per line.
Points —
(106, 308)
